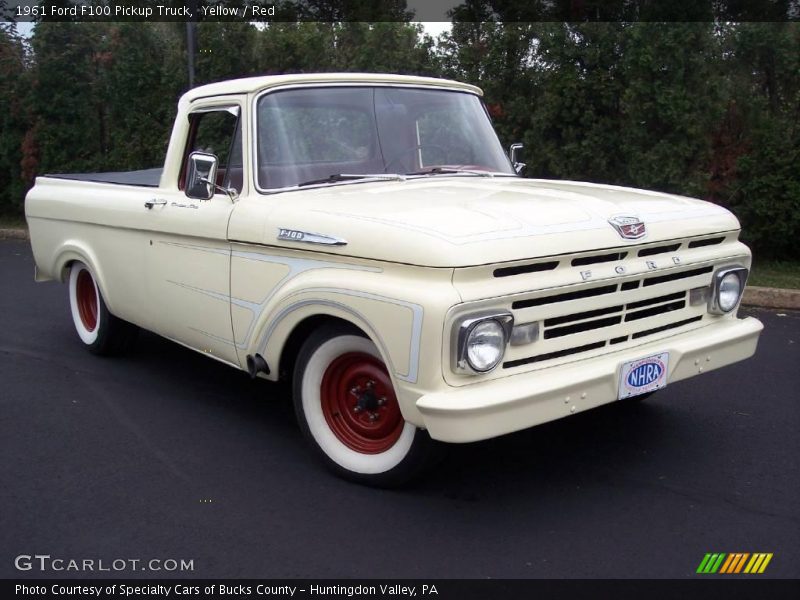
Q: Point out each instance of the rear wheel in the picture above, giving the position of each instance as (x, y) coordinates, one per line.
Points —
(100, 331)
(348, 410)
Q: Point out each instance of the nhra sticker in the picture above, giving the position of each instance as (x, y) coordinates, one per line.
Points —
(643, 375)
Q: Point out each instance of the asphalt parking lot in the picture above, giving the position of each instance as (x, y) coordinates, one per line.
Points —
(164, 454)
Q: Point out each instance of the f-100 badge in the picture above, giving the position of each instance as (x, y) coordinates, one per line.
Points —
(295, 235)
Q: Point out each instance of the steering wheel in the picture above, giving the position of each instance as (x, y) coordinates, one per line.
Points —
(410, 149)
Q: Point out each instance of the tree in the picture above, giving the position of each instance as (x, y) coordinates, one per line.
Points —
(104, 94)
(13, 118)
(144, 77)
(671, 101)
(67, 95)
(390, 47)
(704, 109)
(759, 139)
(225, 50)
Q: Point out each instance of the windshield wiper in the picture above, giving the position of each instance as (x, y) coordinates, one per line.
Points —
(337, 177)
(453, 171)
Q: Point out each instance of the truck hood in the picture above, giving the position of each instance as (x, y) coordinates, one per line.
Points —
(459, 221)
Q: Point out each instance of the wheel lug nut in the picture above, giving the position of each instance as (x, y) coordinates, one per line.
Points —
(356, 409)
(373, 417)
(381, 401)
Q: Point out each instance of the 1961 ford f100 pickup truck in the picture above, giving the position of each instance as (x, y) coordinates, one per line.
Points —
(367, 237)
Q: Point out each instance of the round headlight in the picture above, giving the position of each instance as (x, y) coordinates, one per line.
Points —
(730, 288)
(486, 343)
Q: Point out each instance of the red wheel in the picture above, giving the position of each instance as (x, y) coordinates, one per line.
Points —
(359, 403)
(349, 411)
(86, 294)
(99, 330)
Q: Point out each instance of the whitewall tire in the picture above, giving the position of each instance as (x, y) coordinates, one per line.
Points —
(84, 302)
(99, 330)
(347, 408)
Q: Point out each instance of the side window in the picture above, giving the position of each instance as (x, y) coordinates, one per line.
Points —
(218, 132)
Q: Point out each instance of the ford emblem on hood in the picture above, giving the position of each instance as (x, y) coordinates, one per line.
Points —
(631, 228)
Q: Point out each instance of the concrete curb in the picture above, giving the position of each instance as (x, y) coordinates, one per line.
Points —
(14, 234)
(771, 298)
(753, 296)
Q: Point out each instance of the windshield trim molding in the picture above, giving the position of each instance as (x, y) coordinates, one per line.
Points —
(401, 179)
(337, 84)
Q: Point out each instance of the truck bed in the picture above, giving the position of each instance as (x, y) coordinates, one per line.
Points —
(142, 178)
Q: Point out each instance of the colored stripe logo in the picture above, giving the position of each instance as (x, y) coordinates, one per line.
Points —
(736, 562)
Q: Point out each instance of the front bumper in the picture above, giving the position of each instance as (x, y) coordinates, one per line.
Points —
(497, 407)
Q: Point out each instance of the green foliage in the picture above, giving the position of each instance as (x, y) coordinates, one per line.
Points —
(383, 47)
(763, 184)
(699, 109)
(696, 108)
(766, 192)
(103, 95)
(65, 96)
(14, 117)
(671, 101)
(776, 274)
(143, 80)
(225, 50)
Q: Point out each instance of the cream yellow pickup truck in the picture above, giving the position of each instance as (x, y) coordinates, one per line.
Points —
(368, 238)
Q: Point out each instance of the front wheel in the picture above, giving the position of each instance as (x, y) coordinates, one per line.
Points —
(100, 331)
(348, 410)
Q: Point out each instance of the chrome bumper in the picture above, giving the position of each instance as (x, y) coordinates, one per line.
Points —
(486, 410)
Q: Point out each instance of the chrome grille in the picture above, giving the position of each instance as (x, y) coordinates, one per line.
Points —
(655, 250)
(591, 303)
(593, 316)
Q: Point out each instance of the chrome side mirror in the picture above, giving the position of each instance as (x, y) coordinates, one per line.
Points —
(201, 176)
(515, 154)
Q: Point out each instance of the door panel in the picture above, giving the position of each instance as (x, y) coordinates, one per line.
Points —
(189, 275)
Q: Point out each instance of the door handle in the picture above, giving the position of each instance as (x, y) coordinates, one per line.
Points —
(154, 202)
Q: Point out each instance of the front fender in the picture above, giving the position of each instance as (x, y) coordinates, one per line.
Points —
(400, 307)
(395, 326)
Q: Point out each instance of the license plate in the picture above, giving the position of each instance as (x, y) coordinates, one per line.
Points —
(643, 375)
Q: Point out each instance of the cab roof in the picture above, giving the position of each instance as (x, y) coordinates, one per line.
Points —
(254, 84)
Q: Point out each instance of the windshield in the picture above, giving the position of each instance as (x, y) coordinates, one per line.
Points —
(314, 133)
